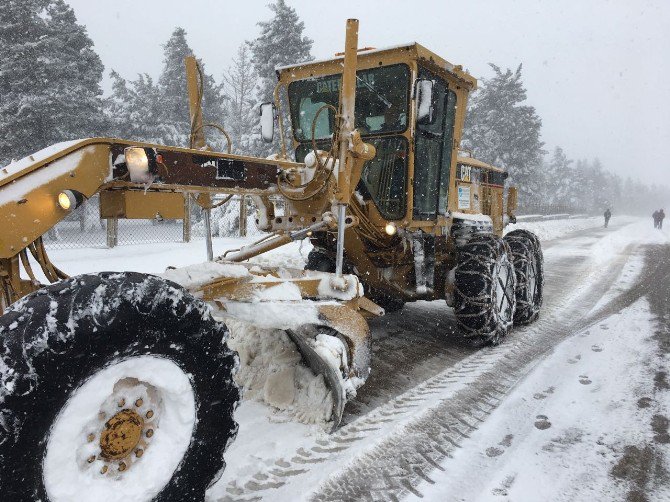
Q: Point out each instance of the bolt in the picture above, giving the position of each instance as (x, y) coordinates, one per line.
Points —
(139, 402)
(90, 437)
(150, 414)
(122, 466)
(104, 469)
(139, 452)
(91, 459)
(150, 433)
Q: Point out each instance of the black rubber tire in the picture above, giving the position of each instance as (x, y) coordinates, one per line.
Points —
(385, 301)
(320, 261)
(527, 257)
(477, 307)
(53, 340)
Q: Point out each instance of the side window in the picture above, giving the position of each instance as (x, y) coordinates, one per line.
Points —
(447, 149)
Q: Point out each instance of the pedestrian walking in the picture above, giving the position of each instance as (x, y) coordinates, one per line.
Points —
(608, 215)
(655, 216)
(661, 217)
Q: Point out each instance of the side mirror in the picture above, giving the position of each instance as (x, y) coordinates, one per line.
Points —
(424, 101)
(268, 115)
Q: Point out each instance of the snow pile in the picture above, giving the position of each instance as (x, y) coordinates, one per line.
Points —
(553, 229)
(272, 371)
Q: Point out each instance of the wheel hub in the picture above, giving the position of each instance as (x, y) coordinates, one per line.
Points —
(121, 434)
(122, 430)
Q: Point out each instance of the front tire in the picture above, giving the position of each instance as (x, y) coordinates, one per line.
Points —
(484, 300)
(529, 269)
(109, 378)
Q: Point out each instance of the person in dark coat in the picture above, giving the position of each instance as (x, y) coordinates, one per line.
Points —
(661, 217)
(608, 215)
(655, 216)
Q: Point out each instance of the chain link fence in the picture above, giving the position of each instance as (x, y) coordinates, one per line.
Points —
(84, 228)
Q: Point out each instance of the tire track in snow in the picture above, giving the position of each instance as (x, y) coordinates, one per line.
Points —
(411, 353)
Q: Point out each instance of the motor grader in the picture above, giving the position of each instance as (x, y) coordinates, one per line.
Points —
(123, 385)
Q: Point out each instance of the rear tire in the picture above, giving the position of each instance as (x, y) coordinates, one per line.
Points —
(485, 282)
(76, 336)
(529, 270)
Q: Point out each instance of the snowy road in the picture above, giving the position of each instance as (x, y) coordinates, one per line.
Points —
(429, 392)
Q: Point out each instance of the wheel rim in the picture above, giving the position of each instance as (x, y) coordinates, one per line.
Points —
(122, 434)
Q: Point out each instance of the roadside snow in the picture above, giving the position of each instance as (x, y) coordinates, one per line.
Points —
(569, 430)
(553, 229)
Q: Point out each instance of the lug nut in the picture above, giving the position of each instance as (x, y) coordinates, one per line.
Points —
(90, 437)
(139, 452)
(104, 469)
(139, 402)
(150, 414)
(122, 403)
(91, 459)
(150, 433)
(122, 466)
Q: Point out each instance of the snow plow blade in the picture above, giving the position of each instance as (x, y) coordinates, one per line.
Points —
(304, 347)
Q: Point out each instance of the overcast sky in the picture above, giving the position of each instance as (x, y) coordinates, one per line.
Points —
(598, 72)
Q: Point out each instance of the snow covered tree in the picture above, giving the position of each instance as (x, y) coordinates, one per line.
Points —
(240, 92)
(281, 42)
(49, 77)
(501, 130)
(158, 112)
(559, 189)
(175, 128)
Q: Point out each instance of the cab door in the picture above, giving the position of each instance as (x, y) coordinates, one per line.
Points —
(433, 150)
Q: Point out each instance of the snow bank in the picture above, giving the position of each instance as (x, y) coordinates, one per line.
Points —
(553, 229)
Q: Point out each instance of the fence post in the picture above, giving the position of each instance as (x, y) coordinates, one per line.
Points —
(112, 232)
(243, 216)
(187, 217)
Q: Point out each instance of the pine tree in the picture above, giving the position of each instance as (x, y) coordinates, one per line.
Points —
(175, 127)
(281, 42)
(559, 190)
(239, 89)
(501, 130)
(49, 77)
(158, 112)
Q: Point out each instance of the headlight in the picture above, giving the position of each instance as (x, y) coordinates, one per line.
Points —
(390, 228)
(70, 199)
(141, 163)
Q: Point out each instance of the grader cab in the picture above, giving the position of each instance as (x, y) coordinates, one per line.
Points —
(105, 376)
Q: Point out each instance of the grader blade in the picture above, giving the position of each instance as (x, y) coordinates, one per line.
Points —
(304, 348)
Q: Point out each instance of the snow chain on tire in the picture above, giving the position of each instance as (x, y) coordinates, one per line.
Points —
(529, 268)
(55, 340)
(483, 314)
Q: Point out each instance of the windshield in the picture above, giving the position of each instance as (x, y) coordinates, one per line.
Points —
(381, 102)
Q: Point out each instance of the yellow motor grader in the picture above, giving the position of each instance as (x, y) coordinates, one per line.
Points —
(126, 383)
